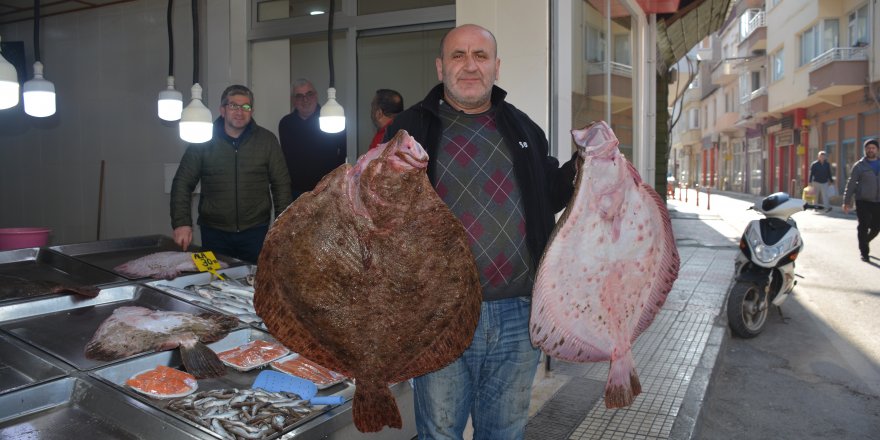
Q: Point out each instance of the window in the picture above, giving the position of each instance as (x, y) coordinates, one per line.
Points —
(706, 118)
(858, 27)
(818, 39)
(622, 49)
(694, 119)
(595, 47)
(744, 21)
(756, 81)
(777, 66)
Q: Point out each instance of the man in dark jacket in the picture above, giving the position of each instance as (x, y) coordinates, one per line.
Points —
(310, 153)
(864, 187)
(243, 178)
(821, 179)
(490, 163)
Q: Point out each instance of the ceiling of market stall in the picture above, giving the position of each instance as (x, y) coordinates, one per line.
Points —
(677, 32)
(20, 10)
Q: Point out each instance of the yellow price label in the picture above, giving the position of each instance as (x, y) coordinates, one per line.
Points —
(206, 262)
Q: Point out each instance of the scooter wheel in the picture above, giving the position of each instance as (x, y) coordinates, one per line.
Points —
(746, 310)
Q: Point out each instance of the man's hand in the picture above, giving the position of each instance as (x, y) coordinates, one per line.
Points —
(845, 208)
(183, 236)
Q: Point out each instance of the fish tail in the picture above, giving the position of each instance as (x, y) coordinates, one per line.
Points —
(201, 361)
(623, 383)
(374, 407)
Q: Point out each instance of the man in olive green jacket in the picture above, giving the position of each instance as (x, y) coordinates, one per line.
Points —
(242, 172)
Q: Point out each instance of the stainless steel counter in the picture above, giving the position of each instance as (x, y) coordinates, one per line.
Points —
(49, 390)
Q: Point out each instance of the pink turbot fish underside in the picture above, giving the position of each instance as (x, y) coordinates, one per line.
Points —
(160, 265)
(609, 266)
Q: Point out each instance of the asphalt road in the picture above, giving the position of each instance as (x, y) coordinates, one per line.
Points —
(814, 372)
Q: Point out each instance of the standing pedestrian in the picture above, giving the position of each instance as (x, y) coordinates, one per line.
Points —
(821, 179)
(243, 178)
(385, 106)
(864, 187)
(490, 163)
(310, 153)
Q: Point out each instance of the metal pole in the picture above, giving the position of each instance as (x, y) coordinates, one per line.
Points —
(708, 196)
(698, 196)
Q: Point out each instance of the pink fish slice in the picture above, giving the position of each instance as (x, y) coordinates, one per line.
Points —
(609, 266)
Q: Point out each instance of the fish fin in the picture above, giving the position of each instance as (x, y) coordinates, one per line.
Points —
(201, 361)
(88, 291)
(667, 274)
(374, 407)
(623, 383)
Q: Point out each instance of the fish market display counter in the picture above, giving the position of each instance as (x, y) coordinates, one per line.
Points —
(49, 389)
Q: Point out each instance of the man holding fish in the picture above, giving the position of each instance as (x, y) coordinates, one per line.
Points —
(490, 164)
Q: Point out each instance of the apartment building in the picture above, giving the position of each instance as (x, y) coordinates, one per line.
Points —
(788, 78)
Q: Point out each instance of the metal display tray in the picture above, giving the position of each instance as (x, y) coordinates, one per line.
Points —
(62, 326)
(107, 254)
(117, 374)
(22, 366)
(238, 273)
(44, 265)
(80, 408)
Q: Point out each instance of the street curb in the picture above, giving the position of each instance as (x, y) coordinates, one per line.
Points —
(713, 356)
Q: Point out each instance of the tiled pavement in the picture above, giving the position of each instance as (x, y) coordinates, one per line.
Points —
(674, 357)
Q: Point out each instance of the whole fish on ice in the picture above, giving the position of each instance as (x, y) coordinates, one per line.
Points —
(608, 268)
(131, 330)
(160, 265)
(372, 276)
(14, 287)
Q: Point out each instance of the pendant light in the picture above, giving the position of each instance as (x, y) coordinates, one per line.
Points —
(39, 94)
(170, 103)
(196, 121)
(332, 119)
(8, 84)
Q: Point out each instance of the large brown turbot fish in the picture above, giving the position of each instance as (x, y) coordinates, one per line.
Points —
(608, 268)
(131, 330)
(371, 275)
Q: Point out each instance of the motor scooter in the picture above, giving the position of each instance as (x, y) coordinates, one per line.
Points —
(765, 266)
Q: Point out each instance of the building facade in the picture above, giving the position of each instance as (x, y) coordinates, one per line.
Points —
(789, 78)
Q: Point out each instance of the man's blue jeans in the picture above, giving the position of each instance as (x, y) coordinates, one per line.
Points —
(491, 381)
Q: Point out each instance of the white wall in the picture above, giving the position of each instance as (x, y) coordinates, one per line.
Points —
(108, 66)
(524, 49)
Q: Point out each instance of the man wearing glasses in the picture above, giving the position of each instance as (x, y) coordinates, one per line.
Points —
(243, 178)
(310, 152)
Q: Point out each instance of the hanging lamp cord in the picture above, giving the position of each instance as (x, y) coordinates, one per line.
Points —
(36, 30)
(195, 17)
(330, 44)
(170, 39)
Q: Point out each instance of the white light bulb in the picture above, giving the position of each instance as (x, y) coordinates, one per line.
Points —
(196, 122)
(332, 119)
(39, 94)
(170, 104)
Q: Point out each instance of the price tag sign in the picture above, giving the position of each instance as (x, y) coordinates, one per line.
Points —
(207, 262)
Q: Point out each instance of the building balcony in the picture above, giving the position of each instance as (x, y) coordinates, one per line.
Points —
(838, 71)
(620, 95)
(755, 38)
(726, 122)
(725, 72)
(691, 136)
(753, 108)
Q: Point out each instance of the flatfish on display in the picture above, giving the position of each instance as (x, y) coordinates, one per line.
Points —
(610, 263)
(12, 287)
(131, 330)
(160, 265)
(370, 275)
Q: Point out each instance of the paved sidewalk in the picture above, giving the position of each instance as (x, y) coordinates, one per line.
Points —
(674, 357)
